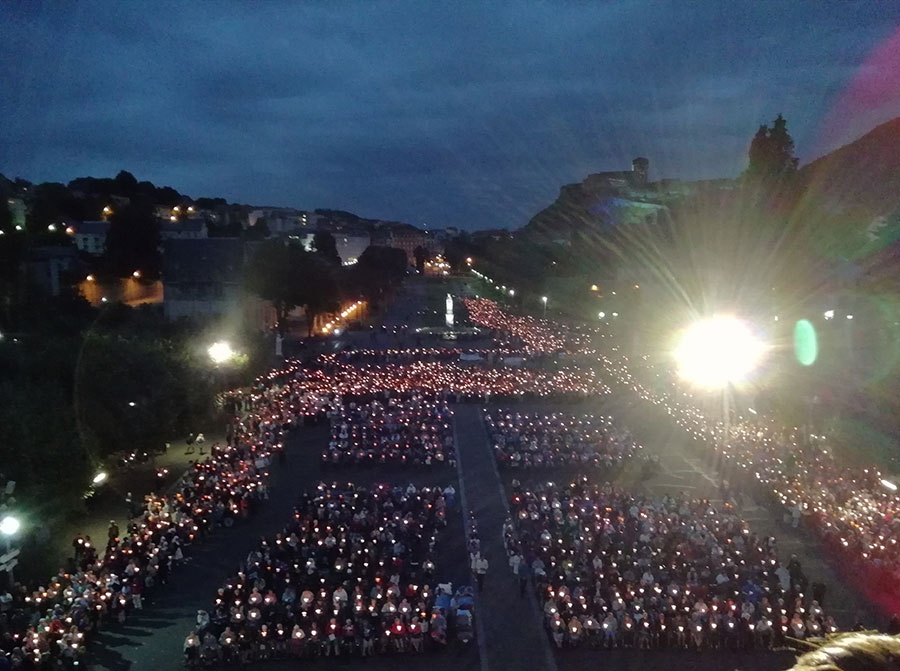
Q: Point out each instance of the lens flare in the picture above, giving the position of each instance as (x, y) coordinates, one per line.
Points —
(806, 342)
(718, 351)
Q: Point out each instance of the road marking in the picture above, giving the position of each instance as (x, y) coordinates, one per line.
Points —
(700, 472)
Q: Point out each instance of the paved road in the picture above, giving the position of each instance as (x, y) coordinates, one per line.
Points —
(509, 625)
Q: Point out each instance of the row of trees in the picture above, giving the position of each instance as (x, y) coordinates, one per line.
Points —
(290, 277)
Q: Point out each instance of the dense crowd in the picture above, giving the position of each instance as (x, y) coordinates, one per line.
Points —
(614, 569)
(407, 430)
(529, 333)
(107, 579)
(526, 440)
(853, 510)
(352, 573)
(448, 381)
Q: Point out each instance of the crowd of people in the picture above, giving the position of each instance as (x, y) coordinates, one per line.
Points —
(351, 574)
(853, 510)
(533, 440)
(613, 569)
(459, 381)
(407, 429)
(107, 579)
(529, 333)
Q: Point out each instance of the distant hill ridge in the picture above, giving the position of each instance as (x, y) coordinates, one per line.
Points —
(864, 174)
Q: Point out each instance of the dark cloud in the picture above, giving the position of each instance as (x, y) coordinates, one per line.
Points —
(468, 114)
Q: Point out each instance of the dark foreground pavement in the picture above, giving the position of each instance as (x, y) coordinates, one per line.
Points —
(510, 632)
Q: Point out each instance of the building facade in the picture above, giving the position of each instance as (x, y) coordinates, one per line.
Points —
(201, 277)
(90, 236)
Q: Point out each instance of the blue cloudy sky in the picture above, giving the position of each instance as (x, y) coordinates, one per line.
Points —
(451, 113)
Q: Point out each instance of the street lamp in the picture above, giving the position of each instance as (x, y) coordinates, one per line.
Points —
(220, 352)
(9, 527)
(544, 301)
(100, 478)
(718, 352)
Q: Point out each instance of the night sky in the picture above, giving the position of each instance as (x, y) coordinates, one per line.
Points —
(451, 114)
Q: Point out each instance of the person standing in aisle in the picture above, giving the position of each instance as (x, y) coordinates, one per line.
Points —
(480, 569)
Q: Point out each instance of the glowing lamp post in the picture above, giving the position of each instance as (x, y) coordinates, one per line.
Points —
(9, 527)
(544, 301)
(718, 352)
(220, 352)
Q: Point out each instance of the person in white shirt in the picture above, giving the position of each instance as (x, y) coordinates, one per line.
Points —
(480, 569)
(515, 560)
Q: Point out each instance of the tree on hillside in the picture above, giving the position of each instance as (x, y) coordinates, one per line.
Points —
(133, 241)
(325, 246)
(51, 203)
(420, 254)
(6, 217)
(126, 183)
(771, 152)
(456, 251)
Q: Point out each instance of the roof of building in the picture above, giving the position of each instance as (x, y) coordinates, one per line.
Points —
(203, 260)
(47, 252)
(189, 226)
(92, 227)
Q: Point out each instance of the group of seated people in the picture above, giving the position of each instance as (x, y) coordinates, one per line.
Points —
(352, 573)
(853, 509)
(106, 579)
(612, 569)
(407, 429)
(459, 381)
(526, 440)
(529, 333)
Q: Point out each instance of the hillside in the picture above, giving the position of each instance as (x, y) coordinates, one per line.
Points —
(863, 175)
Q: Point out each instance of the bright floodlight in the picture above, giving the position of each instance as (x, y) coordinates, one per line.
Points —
(99, 478)
(717, 351)
(9, 525)
(220, 352)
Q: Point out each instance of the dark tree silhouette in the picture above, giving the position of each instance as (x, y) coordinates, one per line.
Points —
(288, 277)
(420, 254)
(324, 245)
(133, 241)
(772, 152)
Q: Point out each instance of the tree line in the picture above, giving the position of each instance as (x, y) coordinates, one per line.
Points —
(289, 277)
